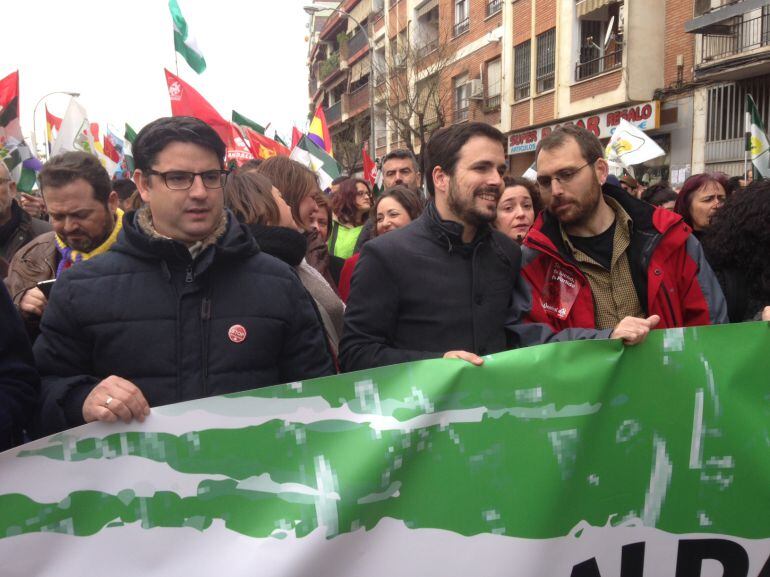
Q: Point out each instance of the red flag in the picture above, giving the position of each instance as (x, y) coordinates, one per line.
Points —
(264, 147)
(9, 108)
(370, 168)
(237, 150)
(296, 136)
(95, 131)
(109, 149)
(186, 101)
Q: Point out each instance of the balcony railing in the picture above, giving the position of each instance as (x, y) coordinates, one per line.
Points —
(358, 99)
(461, 114)
(592, 62)
(494, 6)
(328, 66)
(334, 112)
(492, 103)
(461, 27)
(357, 43)
(736, 37)
(427, 48)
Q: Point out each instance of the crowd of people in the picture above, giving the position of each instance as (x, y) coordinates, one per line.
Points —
(191, 280)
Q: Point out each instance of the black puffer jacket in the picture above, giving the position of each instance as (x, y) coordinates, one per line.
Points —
(419, 292)
(146, 311)
(19, 383)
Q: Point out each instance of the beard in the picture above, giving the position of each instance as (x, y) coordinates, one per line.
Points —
(465, 208)
(574, 211)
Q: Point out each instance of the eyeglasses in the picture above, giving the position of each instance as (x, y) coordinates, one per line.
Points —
(183, 180)
(562, 176)
(363, 194)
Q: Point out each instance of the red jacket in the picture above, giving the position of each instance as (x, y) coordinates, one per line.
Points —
(670, 273)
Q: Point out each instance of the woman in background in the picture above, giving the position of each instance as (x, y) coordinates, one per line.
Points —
(395, 208)
(700, 198)
(351, 205)
(518, 207)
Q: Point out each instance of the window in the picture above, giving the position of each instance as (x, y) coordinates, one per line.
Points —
(521, 70)
(494, 6)
(462, 20)
(494, 84)
(462, 90)
(601, 48)
(546, 60)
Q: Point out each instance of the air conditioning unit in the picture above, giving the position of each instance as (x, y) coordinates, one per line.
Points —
(476, 89)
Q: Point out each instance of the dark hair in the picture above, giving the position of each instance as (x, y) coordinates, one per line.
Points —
(158, 134)
(733, 185)
(401, 154)
(344, 202)
(736, 235)
(534, 193)
(406, 197)
(68, 167)
(135, 201)
(125, 187)
(294, 180)
(325, 205)
(696, 181)
(659, 194)
(589, 145)
(249, 195)
(340, 179)
(443, 148)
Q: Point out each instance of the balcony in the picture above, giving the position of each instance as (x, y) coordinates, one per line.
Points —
(327, 67)
(711, 14)
(491, 103)
(334, 113)
(493, 7)
(593, 63)
(427, 48)
(461, 115)
(357, 43)
(461, 27)
(358, 100)
(735, 37)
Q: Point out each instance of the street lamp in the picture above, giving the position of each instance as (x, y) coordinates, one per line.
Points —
(315, 10)
(34, 115)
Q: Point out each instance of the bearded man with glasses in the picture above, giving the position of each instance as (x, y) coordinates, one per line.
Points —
(599, 258)
(183, 306)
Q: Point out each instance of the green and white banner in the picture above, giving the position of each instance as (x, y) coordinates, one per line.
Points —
(580, 459)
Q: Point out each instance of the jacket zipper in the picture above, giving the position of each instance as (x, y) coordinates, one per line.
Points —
(189, 277)
(205, 318)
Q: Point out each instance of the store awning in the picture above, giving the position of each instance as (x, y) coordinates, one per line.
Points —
(586, 6)
(702, 24)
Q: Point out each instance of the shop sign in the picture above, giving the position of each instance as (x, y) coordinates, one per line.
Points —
(644, 116)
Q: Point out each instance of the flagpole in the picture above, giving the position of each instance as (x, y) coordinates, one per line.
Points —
(747, 137)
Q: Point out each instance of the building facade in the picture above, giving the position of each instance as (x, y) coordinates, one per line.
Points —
(679, 70)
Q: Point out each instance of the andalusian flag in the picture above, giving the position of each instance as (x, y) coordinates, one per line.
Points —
(130, 137)
(756, 141)
(242, 121)
(184, 42)
(316, 159)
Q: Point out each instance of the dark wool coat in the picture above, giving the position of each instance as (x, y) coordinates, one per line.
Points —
(174, 326)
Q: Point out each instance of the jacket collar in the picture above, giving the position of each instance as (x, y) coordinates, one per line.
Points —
(449, 232)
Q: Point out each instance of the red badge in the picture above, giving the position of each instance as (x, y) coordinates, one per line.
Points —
(237, 333)
(560, 291)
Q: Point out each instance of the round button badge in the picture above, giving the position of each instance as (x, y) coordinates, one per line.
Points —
(237, 333)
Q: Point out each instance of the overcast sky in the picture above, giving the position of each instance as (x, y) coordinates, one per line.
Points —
(114, 53)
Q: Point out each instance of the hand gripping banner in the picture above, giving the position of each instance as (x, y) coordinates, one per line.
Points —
(580, 459)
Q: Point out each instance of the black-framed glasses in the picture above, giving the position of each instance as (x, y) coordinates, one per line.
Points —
(562, 176)
(183, 180)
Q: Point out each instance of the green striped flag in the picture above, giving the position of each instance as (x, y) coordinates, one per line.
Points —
(578, 459)
(309, 154)
(184, 42)
(278, 139)
(241, 120)
(756, 141)
(130, 137)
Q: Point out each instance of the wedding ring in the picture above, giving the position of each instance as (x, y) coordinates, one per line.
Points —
(108, 401)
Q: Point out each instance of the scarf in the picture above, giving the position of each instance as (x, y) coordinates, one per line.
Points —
(70, 256)
(144, 222)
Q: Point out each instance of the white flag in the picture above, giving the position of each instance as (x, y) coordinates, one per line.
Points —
(629, 145)
(75, 131)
